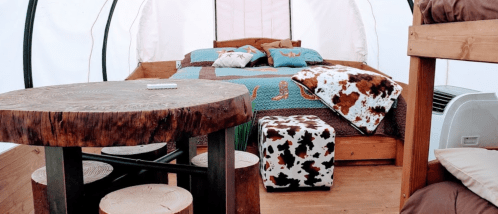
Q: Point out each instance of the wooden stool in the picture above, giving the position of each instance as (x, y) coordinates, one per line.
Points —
(147, 198)
(94, 175)
(147, 152)
(246, 183)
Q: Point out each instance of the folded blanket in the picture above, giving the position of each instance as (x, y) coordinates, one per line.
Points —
(361, 97)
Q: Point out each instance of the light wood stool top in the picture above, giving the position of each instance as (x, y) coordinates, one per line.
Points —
(148, 198)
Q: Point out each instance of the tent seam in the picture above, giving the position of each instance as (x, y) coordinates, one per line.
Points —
(129, 31)
(91, 35)
(376, 34)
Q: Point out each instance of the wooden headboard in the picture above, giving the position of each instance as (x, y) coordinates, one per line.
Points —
(256, 42)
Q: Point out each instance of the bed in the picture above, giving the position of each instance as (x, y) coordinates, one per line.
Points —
(466, 40)
(274, 93)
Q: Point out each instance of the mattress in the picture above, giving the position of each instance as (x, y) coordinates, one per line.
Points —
(441, 11)
(273, 93)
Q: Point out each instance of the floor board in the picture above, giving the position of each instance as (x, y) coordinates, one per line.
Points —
(356, 189)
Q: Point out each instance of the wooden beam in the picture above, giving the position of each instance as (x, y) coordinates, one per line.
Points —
(358, 65)
(255, 42)
(154, 70)
(418, 120)
(471, 41)
(418, 125)
(365, 148)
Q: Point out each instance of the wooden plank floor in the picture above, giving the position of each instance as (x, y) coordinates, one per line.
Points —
(356, 189)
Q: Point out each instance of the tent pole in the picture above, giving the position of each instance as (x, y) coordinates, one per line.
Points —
(104, 46)
(27, 43)
(410, 2)
(215, 22)
(290, 19)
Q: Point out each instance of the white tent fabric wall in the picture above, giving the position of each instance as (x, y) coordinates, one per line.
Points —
(62, 42)
(62, 37)
(11, 39)
(333, 28)
(248, 18)
(386, 25)
(171, 28)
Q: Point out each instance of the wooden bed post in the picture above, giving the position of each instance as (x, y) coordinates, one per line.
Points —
(418, 120)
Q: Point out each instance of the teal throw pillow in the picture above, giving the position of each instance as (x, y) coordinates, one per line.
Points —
(283, 57)
(208, 54)
(311, 56)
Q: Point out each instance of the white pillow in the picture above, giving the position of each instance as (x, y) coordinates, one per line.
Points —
(233, 60)
(477, 168)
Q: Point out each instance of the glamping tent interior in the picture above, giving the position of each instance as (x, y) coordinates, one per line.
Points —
(74, 97)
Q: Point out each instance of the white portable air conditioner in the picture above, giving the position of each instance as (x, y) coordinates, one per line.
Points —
(463, 118)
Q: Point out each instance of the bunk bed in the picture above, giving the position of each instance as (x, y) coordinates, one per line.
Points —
(353, 147)
(462, 40)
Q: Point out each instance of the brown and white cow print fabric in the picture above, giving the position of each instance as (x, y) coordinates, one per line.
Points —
(296, 151)
(360, 96)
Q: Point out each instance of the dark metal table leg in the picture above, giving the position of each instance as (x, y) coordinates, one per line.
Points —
(64, 179)
(221, 171)
(189, 148)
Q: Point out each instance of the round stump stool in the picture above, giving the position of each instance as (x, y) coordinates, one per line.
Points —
(147, 152)
(246, 183)
(95, 174)
(147, 198)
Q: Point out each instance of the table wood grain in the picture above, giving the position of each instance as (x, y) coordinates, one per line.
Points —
(121, 113)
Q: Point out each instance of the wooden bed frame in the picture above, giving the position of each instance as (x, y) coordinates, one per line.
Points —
(353, 150)
(469, 41)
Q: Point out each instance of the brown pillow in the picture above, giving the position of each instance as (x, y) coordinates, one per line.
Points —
(286, 43)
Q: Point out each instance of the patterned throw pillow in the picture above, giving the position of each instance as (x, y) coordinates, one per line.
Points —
(361, 97)
(311, 56)
(203, 57)
(286, 43)
(233, 60)
(258, 57)
(287, 58)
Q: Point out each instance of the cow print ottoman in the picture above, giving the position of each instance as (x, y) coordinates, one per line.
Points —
(296, 151)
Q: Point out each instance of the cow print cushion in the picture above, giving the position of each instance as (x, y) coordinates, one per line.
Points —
(296, 151)
(362, 97)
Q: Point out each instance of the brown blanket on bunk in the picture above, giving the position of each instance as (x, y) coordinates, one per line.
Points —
(447, 197)
(441, 11)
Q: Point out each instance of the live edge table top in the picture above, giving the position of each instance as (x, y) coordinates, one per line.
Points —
(122, 113)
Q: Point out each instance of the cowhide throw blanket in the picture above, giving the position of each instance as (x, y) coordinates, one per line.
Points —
(360, 96)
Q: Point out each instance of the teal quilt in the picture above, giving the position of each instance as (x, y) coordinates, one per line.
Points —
(270, 88)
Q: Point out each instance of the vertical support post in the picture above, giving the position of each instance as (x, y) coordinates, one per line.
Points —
(221, 171)
(418, 120)
(64, 179)
(27, 43)
(290, 19)
(215, 22)
(189, 148)
(104, 46)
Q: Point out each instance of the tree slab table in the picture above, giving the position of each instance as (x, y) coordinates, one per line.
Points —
(67, 117)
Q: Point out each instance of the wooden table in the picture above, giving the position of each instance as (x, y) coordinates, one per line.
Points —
(67, 117)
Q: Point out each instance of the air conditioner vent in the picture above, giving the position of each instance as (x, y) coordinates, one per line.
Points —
(443, 94)
(441, 100)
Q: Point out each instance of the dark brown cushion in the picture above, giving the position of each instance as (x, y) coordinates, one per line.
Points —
(447, 197)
